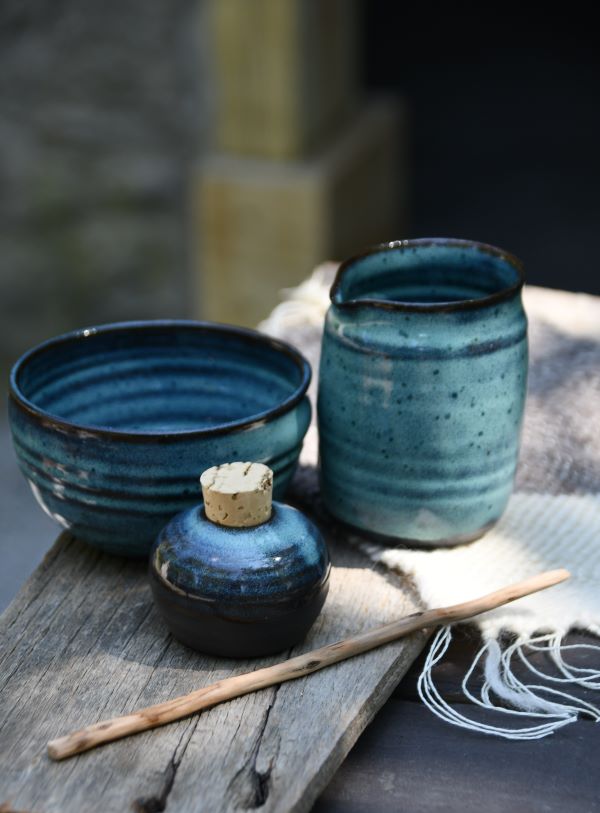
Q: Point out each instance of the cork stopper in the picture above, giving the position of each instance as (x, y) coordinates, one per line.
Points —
(238, 495)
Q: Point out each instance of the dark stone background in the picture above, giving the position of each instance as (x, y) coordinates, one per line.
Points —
(104, 106)
(102, 110)
(506, 126)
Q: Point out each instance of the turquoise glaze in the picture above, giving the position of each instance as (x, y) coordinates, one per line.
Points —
(422, 388)
(112, 424)
(240, 592)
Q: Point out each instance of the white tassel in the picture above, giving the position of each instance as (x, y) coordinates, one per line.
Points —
(500, 681)
(575, 704)
(570, 673)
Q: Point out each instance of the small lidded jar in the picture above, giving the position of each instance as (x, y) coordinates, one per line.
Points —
(240, 575)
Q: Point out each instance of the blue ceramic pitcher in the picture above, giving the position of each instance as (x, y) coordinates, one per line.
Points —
(422, 388)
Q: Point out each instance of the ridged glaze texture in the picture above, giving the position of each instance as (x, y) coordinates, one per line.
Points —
(241, 566)
(240, 591)
(112, 427)
(420, 409)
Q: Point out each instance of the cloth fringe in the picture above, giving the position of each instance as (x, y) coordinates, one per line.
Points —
(537, 532)
(503, 692)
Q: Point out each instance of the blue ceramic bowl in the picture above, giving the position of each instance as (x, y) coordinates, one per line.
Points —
(240, 592)
(422, 388)
(113, 425)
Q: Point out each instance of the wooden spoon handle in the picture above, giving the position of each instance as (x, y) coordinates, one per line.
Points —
(297, 667)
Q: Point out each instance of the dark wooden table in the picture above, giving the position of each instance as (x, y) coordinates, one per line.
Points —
(408, 760)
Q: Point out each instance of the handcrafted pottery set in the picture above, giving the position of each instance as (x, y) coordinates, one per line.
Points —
(421, 394)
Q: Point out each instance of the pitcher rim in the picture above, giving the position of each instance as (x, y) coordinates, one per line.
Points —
(432, 307)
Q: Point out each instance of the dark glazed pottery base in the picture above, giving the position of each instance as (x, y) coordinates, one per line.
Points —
(238, 632)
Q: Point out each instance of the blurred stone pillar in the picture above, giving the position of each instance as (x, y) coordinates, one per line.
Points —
(303, 169)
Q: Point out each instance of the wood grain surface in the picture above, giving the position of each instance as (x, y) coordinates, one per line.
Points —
(82, 641)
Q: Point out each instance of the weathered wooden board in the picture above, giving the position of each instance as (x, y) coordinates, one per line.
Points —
(82, 642)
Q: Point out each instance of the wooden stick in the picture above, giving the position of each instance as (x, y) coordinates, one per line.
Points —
(297, 667)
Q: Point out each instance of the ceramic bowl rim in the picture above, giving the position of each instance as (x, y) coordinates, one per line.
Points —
(430, 307)
(50, 420)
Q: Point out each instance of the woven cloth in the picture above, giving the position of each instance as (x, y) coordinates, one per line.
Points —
(553, 519)
(537, 532)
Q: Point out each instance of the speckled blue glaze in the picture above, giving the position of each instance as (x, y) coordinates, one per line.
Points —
(240, 591)
(422, 388)
(112, 425)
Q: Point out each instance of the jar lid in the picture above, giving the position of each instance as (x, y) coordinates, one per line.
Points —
(238, 495)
